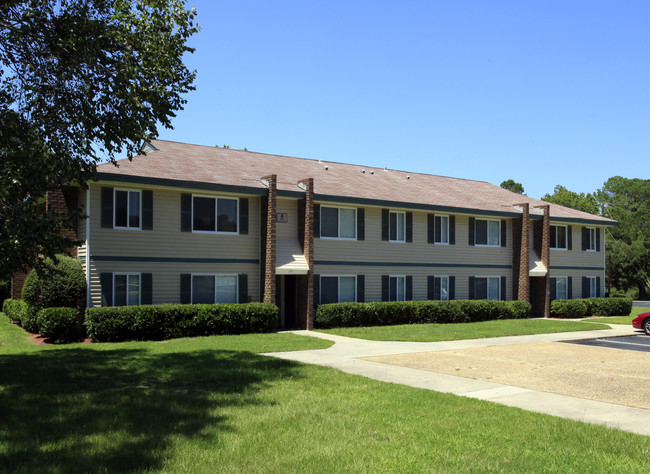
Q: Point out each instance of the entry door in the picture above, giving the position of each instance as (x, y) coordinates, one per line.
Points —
(289, 301)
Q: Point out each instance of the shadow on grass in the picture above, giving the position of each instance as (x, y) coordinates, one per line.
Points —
(79, 410)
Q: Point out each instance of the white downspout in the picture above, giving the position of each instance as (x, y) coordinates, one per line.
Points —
(88, 247)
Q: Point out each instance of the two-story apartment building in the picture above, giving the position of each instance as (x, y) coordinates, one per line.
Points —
(196, 224)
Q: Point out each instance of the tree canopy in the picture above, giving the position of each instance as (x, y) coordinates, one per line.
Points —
(512, 185)
(80, 81)
(580, 201)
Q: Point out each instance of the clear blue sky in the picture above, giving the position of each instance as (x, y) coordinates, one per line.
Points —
(543, 92)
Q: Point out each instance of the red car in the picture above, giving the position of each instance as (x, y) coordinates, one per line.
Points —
(642, 321)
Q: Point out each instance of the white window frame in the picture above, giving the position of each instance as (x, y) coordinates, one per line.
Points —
(216, 276)
(593, 286)
(566, 287)
(216, 215)
(338, 208)
(487, 235)
(397, 277)
(127, 274)
(397, 213)
(592, 239)
(488, 277)
(566, 237)
(446, 279)
(446, 236)
(128, 208)
(338, 287)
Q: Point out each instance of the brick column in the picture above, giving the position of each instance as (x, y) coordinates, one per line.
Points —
(270, 250)
(546, 258)
(308, 248)
(523, 291)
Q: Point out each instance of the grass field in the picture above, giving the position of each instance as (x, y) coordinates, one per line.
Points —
(214, 404)
(457, 331)
(621, 319)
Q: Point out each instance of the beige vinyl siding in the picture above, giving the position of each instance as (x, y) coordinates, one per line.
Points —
(576, 280)
(576, 256)
(287, 229)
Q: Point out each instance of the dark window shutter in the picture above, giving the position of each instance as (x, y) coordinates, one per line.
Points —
(452, 230)
(504, 232)
(569, 288)
(598, 287)
(107, 207)
(243, 217)
(316, 290)
(147, 210)
(316, 220)
(361, 224)
(430, 290)
(585, 287)
(471, 231)
(437, 232)
(597, 240)
(385, 294)
(106, 284)
(472, 288)
(553, 235)
(436, 288)
(585, 238)
(243, 288)
(553, 288)
(186, 288)
(186, 212)
(146, 293)
(361, 288)
(409, 227)
(431, 228)
(409, 287)
(452, 287)
(569, 237)
(503, 286)
(384, 224)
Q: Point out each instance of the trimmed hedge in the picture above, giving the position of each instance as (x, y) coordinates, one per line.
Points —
(580, 308)
(14, 310)
(417, 312)
(58, 324)
(60, 282)
(167, 321)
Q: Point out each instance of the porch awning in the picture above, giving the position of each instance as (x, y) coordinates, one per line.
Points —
(536, 268)
(289, 259)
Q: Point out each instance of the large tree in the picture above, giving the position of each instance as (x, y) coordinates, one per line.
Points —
(628, 244)
(580, 201)
(80, 81)
(512, 185)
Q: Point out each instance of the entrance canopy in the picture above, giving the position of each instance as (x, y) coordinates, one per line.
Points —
(289, 258)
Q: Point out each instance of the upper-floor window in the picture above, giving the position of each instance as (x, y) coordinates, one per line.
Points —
(558, 237)
(338, 222)
(441, 229)
(592, 238)
(210, 289)
(211, 214)
(488, 232)
(126, 289)
(396, 226)
(338, 289)
(127, 209)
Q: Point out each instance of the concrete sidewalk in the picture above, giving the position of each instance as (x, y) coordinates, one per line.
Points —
(347, 355)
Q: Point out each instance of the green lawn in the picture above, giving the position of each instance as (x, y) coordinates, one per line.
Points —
(621, 319)
(456, 331)
(214, 405)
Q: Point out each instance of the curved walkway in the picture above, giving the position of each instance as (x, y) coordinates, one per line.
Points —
(380, 360)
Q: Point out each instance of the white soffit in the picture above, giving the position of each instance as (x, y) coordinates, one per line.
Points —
(535, 267)
(289, 259)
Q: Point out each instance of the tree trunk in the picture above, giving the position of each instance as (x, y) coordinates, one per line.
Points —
(643, 296)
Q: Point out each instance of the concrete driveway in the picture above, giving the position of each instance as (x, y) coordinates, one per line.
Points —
(538, 373)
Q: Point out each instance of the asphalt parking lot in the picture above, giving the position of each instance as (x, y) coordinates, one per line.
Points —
(637, 342)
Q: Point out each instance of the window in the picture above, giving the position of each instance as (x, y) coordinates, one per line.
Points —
(441, 229)
(211, 214)
(127, 209)
(397, 288)
(488, 232)
(126, 289)
(396, 225)
(210, 289)
(338, 289)
(487, 288)
(442, 284)
(558, 237)
(338, 222)
(593, 287)
(561, 288)
(592, 238)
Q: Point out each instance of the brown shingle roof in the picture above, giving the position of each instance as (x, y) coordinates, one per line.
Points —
(205, 164)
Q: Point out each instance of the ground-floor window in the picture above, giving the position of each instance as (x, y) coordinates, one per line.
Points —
(441, 288)
(487, 288)
(126, 289)
(561, 288)
(593, 287)
(210, 289)
(338, 289)
(396, 288)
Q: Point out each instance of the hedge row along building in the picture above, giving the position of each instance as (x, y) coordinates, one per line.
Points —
(195, 224)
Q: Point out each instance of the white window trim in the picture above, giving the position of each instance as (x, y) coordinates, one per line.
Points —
(127, 274)
(338, 287)
(216, 210)
(446, 216)
(403, 213)
(566, 237)
(592, 230)
(498, 244)
(488, 286)
(215, 275)
(128, 208)
(557, 280)
(397, 276)
(339, 223)
(595, 286)
(446, 277)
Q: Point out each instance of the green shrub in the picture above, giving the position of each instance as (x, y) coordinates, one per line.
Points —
(160, 322)
(608, 306)
(414, 312)
(58, 324)
(14, 309)
(58, 283)
(29, 319)
(569, 308)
